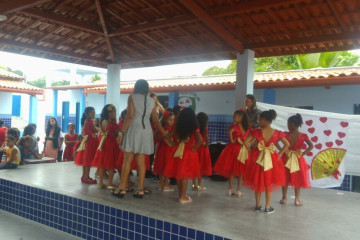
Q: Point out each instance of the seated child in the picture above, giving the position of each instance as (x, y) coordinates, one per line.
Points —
(24, 145)
(12, 155)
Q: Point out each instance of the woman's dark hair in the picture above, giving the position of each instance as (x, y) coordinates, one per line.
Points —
(13, 132)
(85, 114)
(252, 98)
(33, 125)
(123, 114)
(203, 120)
(142, 87)
(269, 115)
(56, 135)
(163, 119)
(176, 110)
(244, 119)
(28, 130)
(186, 124)
(107, 109)
(296, 119)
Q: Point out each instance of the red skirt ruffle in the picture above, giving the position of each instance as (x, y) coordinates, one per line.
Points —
(187, 167)
(108, 156)
(227, 163)
(120, 162)
(85, 157)
(204, 161)
(299, 179)
(259, 181)
(68, 153)
(163, 155)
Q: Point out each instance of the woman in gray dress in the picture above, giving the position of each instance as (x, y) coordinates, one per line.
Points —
(136, 135)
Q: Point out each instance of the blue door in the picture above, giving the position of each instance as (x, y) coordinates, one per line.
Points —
(77, 124)
(16, 105)
(65, 115)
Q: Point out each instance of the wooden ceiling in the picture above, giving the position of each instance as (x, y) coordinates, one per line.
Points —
(140, 33)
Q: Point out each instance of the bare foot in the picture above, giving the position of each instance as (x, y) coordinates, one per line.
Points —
(185, 200)
(283, 201)
(298, 203)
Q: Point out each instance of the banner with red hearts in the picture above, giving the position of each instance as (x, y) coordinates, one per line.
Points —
(336, 138)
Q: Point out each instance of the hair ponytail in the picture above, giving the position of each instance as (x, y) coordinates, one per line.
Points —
(85, 115)
(296, 119)
(269, 115)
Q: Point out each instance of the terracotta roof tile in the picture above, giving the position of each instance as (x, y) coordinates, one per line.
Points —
(6, 75)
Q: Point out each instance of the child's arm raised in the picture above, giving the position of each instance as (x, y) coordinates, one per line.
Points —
(310, 147)
(285, 147)
(198, 141)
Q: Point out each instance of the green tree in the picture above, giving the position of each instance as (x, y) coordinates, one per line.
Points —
(95, 78)
(40, 82)
(60, 83)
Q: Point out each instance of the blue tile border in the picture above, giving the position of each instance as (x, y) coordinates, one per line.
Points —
(86, 219)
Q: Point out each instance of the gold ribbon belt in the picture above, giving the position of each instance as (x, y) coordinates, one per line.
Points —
(180, 149)
(82, 144)
(293, 160)
(103, 138)
(264, 158)
(243, 154)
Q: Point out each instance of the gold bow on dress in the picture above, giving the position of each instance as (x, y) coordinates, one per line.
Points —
(180, 149)
(243, 154)
(293, 160)
(103, 138)
(264, 158)
(82, 144)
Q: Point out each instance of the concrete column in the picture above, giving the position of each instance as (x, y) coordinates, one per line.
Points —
(113, 85)
(270, 96)
(173, 99)
(104, 99)
(244, 77)
(55, 103)
(33, 109)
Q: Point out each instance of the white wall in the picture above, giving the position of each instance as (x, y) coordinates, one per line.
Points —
(74, 98)
(6, 103)
(25, 106)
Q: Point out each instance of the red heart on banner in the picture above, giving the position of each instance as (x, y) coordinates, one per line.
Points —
(309, 122)
(304, 146)
(323, 119)
(341, 134)
(327, 132)
(329, 144)
(339, 142)
(318, 146)
(310, 154)
(344, 124)
(314, 139)
(311, 130)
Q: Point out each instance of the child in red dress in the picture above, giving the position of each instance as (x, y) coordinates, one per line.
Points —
(70, 140)
(296, 168)
(203, 151)
(231, 162)
(87, 149)
(265, 171)
(164, 152)
(185, 163)
(108, 149)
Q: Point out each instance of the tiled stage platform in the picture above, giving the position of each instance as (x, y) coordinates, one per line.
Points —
(53, 195)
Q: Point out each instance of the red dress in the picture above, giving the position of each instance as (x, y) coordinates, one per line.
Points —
(186, 167)
(85, 157)
(204, 157)
(227, 163)
(298, 179)
(69, 149)
(106, 157)
(163, 154)
(255, 177)
(120, 157)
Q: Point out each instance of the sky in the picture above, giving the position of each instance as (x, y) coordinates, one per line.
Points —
(35, 68)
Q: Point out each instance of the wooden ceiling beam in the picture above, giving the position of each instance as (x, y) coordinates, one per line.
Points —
(62, 20)
(103, 24)
(153, 25)
(18, 5)
(219, 30)
(32, 47)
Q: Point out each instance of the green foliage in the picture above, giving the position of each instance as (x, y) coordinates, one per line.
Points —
(60, 83)
(18, 72)
(294, 62)
(40, 82)
(95, 78)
